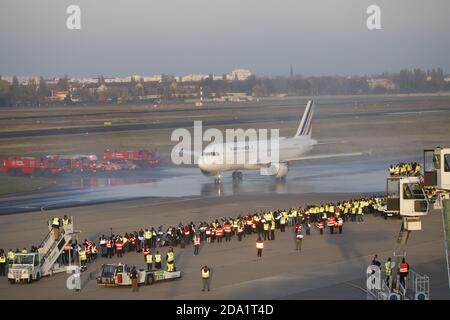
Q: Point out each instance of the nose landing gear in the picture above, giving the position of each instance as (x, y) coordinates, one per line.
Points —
(237, 175)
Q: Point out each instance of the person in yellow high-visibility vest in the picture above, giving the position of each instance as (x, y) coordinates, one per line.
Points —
(3, 263)
(205, 278)
(11, 255)
(149, 260)
(158, 259)
(83, 257)
(170, 258)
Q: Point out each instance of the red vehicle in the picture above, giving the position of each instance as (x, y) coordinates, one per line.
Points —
(78, 163)
(27, 166)
(142, 158)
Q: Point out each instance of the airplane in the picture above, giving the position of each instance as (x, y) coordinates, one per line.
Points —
(211, 162)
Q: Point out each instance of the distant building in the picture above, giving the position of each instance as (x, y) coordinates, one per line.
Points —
(194, 77)
(381, 83)
(240, 74)
(233, 97)
(58, 95)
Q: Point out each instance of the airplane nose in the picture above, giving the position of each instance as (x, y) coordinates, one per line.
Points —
(203, 166)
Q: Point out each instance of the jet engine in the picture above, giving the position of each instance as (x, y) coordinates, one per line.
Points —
(282, 171)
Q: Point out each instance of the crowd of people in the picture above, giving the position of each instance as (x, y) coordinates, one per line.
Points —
(149, 241)
(402, 169)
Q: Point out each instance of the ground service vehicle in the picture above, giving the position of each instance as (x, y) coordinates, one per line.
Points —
(119, 275)
(27, 267)
(142, 158)
(28, 165)
(77, 163)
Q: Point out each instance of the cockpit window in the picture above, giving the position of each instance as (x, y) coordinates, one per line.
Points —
(213, 153)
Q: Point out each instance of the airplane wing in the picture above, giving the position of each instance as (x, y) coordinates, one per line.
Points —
(326, 156)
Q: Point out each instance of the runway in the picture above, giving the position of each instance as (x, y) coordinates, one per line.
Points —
(233, 121)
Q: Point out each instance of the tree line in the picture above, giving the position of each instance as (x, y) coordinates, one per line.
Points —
(38, 92)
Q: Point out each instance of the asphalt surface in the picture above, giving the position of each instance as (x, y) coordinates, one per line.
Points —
(328, 267)
(304, 177)
(220, 122)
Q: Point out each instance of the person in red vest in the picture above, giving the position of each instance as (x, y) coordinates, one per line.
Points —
(227, 230)
(196, 244)
(145, 251)
(109, 245)
(403, 272)
(321, 225)
(330, 223)
(248, 225)
(119, 247)
(88, 245)
(240, 231)
(297, 227)
(259, 247)
(337, 211)
(219, 233)
(187, 232)
(132, 243)
(66, 254)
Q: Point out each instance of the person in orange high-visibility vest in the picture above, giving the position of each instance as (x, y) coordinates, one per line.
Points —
(219, 233)
(227, 229)
(109, 248)
(403, 272)
(330, 224)
(196, 244)
(321, 225)
(259, 247)
(67, 253)
(119, 247)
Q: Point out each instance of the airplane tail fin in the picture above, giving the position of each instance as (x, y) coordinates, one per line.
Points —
(305, 127)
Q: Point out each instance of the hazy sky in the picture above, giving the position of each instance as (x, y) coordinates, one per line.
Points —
(319, 37)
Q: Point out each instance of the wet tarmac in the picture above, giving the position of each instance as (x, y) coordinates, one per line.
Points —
(362, 174)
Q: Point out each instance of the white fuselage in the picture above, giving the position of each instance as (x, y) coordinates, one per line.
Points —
(245, 156)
